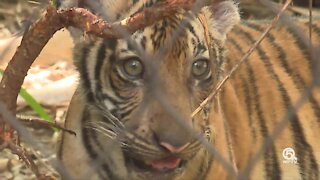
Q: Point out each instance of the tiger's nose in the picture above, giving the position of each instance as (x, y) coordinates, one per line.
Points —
(173, 149)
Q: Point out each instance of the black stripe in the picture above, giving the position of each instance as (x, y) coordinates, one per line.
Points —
(272, 167)
(246, 86)
(81, 54)
(303, 148)
(155, 36)
(215, 55)
(205, 166)
(128, 9)
(192, 31)
(198, 46)
(201, 48)
(117, 89)
(90, 139)
(125, 111)
(101, 58)
(297, 79)
(143, 42)
(315, 28)
(193, 42)
(88, 135)
(110, 98)
(110, 172)
(101, 55)
(281, 53)
(301, 85)
(302, 46)
(148, 3)
(220, 58)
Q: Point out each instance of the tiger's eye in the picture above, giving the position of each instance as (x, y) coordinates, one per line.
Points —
(133, 67)
(200, 67)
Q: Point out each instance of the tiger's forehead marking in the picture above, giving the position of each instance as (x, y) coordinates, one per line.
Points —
(189, 44)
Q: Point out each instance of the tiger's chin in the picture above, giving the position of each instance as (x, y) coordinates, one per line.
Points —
(166, 168)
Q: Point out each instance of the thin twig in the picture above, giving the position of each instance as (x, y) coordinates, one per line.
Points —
(22, 153)
(10, 119)
(40, 122)
(310, 26)
(275, 133)
(39, 34)
(91, 24)
(31, 46)
(228, 166)
(294, 108)
(243, 59)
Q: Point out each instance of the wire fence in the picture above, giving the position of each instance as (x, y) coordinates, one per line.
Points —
(156, 94)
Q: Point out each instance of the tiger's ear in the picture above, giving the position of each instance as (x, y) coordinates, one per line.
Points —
(224, 16)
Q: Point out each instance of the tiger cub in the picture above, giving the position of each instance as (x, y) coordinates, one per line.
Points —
(132, 109)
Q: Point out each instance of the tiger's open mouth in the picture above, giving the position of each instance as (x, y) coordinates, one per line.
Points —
(169, 164)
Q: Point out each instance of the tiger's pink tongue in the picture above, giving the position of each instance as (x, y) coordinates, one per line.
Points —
(169, 163)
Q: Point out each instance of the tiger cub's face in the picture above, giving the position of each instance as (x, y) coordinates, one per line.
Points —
(151, 84)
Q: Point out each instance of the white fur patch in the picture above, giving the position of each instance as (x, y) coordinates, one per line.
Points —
(110, 106)
(222, 18)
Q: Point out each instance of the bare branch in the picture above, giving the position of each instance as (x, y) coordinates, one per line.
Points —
(39, 34)
(32, 43)
(29, 139)
(22, 153)
(33, 122)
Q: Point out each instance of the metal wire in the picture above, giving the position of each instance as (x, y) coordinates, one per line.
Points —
(167, 106)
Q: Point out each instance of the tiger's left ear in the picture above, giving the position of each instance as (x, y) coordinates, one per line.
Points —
(224, 16)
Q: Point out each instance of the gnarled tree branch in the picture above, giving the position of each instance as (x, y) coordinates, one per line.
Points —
(37, 36)
(40, 32)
